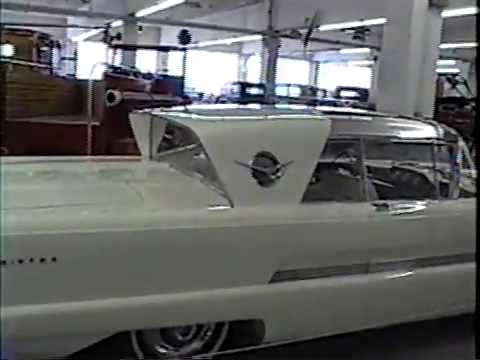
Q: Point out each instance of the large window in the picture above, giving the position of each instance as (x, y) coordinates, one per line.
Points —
(175, 63)
(292, 71)
(146, 61)
(92, 56)
(254, 69)
(208, 71)
(331, 75)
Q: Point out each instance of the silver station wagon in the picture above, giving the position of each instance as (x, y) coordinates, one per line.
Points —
(259, 225)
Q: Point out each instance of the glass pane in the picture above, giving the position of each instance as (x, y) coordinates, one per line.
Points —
(209, 71)
(398, 171)
(254, 69)
(332, 75)
(295, 91)
(92, 56)
(254, 90)
(338, 175)
(146, 61)
(175, 63)
(281, 90)
(385, 150)
(292, 71)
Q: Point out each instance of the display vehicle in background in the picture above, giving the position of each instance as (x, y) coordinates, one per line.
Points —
(348, 96)
(458, 113)
(262, 225)
(50, 113)
(455, 106)
(242, 92)
(298, 94)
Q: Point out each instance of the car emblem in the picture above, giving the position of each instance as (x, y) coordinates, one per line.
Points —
(265, 168)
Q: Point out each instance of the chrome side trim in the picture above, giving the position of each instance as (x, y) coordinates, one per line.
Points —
(369, 268)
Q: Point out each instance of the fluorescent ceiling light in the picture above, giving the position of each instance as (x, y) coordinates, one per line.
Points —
(88, 34)
(448, 71)
(164, 5)
(84, 36)
(353, 24)
(471, 10)
(360, 62)
(355, 51)
(460, 45)
(116, 23)
(228, 41)
(446, 62)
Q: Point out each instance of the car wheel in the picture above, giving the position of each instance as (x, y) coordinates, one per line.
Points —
(179, 341)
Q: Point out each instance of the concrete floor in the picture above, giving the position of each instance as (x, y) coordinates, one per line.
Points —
(445, 339)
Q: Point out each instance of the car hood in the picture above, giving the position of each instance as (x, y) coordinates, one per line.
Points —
(69, 183)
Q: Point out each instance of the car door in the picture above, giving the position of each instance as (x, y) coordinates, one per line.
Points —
(412, 231)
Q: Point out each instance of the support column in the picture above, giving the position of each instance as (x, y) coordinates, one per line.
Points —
(406, 76)
(130, 36)
(425, 104)
(374, 85)
(313, 75)
(271, 49)
(472, 77)
(242, 64)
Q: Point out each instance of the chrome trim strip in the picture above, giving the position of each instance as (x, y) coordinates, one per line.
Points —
(369, 268)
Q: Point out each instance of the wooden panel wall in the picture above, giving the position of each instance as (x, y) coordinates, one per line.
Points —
(30, 93)
(24, 45)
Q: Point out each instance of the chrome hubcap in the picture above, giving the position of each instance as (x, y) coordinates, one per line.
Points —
(179, 341)
(183, 333)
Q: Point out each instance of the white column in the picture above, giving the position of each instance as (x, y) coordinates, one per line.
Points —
(428, 76)
(374, 86)
(406, 74)
(130, 36)
(271, 49)
(242, 64)
(313, 75)
(472, 77)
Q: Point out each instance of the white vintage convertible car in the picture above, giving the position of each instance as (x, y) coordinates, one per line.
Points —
(261, 225)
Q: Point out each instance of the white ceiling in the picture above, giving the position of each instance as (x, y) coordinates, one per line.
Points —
(251, 14)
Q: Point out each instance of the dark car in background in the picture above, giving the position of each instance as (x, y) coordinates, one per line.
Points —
(242, 92)
(298, 94)
(349, 96)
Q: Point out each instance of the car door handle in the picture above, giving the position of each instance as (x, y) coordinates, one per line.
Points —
(396, 209)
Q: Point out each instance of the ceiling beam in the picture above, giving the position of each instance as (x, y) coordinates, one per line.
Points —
(50, 25)
(108, 17)
(40, 9)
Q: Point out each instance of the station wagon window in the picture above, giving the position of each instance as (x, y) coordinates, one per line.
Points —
(338, 174)
(381, 168)
(401, 170)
